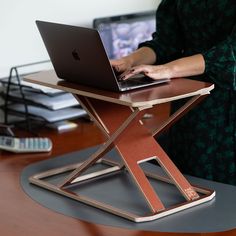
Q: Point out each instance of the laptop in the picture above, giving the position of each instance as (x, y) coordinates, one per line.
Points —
(78, 56)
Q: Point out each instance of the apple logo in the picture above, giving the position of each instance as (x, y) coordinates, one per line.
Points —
(75, 55)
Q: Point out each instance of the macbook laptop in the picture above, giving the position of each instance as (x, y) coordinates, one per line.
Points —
(78, 56)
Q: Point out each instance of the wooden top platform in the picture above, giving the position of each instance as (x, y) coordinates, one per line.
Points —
(174, 90)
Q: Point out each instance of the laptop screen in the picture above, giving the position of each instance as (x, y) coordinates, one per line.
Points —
(122, 34)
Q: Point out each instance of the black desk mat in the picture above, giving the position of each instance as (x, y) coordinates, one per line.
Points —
(119, 190)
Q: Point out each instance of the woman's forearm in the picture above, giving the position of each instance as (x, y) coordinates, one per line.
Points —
(142, 56)
(187, 66)
(143, 60)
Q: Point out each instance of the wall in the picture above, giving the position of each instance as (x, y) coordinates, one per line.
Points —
(20, 42)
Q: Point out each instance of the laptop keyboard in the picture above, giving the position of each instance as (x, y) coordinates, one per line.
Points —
(136, 81)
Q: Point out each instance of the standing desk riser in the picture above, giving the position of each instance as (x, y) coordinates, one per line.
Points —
(119, 116)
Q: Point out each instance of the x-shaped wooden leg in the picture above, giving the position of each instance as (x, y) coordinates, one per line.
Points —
(135, 144)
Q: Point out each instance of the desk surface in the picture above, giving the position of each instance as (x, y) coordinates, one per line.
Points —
(20, 215)
(174, 90)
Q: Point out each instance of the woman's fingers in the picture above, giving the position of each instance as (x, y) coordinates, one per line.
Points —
(117, 65)
(120, 65)
(154, 72)
(134, 71)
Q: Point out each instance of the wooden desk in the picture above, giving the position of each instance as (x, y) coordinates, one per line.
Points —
(22, 216)
(118, 116)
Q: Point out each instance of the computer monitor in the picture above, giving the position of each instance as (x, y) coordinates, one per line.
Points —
(122, 34)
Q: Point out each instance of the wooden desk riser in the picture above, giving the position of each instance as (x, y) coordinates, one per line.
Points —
(118, 116)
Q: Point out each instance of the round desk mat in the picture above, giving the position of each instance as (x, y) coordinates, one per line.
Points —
(118, 189)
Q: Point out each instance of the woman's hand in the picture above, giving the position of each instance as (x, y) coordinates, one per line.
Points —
(154, 72)
(141, 56)
(186, 66)
(121, 65)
